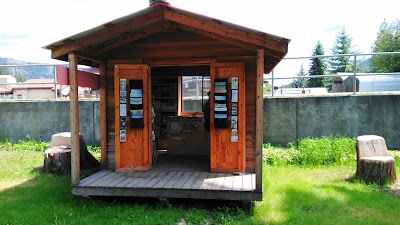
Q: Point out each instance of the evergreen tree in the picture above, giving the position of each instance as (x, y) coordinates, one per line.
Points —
(317, 67)
(342, 45)
(388, 40)
(300, 82)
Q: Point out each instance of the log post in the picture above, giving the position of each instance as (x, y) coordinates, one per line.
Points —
(74, 118)
(374, 165)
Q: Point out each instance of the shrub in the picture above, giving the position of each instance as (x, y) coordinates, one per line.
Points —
(29, 144)
(312, 151)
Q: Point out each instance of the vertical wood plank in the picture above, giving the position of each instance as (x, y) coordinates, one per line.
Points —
(259, 118)
(242, 120)
(74, 118)
(103, 116)
(116, 118)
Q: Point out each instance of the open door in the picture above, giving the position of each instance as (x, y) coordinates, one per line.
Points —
(227, 117)
(133, 126)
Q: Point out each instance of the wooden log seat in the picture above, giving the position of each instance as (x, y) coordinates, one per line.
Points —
(57, 158)
(374, 165)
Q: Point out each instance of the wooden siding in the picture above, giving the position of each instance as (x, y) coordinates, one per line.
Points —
(250, 115)
(110, 109)
(170, 184)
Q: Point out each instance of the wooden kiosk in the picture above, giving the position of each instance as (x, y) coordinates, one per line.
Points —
(143, 58)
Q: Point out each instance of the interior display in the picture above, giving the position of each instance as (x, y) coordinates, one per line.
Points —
(220, 103)
(186, 136)
(136, 103)
(165, 103)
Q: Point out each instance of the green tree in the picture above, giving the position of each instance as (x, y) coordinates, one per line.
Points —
(342, 45)
(317, 67)
(5, 71)
(387, 40)
(300, 82)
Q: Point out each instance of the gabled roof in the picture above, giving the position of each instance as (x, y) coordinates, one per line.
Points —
(98, 42)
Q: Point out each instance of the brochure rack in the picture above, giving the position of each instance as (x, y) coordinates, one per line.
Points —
(136, 103)
(221, 103)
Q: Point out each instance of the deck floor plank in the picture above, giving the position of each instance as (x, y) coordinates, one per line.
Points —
(253, 181)
(149, 177)
(219, 180)
(109, 179)
(100, 180)
(163, 180)
(182, 181)
(136, 178)
(237, 183)
(94, 177)
(228, 181)
(171, 183)
(200, 180)
(125, 181)
(209, 182)
(191, 181)
(155, 180)
(117, 179)
(247, 183)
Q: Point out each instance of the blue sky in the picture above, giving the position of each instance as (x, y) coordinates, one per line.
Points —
(27, 26)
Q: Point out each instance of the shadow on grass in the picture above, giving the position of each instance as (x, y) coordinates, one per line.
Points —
(47, 199)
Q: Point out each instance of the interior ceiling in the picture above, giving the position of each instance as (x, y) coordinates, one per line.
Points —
(164, 32)
(181, 71)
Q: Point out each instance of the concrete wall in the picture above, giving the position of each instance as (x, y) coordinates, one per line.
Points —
(285, 119)
(288, 119)
(41, 119)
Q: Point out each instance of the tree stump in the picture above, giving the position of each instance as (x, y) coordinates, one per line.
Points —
(57, 160)
(374, 165)
(58, 157)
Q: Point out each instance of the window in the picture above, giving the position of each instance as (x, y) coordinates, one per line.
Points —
(193, 94)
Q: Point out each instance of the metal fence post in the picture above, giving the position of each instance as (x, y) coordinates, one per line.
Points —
(55, 83)
(272, 83)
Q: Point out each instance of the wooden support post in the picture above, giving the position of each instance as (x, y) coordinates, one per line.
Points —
(103, 116)
(74, 118)
(259, 117)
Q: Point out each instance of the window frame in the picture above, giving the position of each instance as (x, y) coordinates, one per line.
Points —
(180, 97)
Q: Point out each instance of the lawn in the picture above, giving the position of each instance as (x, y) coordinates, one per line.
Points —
(293, 194)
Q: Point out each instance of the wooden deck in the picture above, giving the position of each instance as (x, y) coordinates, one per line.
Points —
(170, 184)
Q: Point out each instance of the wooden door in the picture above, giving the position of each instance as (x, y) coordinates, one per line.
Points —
(228, 155)
(133, 153)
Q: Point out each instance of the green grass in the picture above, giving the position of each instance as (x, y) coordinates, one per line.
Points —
(292, 194)
(312, 151)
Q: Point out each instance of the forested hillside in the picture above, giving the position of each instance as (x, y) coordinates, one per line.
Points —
(25, 73)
